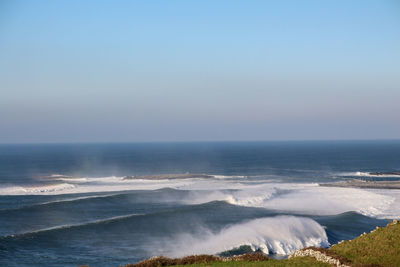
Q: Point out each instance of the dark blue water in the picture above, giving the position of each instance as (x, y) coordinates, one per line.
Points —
(89, 215)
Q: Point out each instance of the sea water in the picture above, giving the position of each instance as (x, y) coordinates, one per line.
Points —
(69, 204)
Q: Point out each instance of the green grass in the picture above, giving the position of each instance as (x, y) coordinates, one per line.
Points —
(301, 261)
(381, 247)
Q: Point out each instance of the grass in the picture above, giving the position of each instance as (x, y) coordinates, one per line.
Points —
(251, 259)
(381, 247)
(299, 262)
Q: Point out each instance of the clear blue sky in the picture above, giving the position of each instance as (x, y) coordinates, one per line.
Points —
(77, 71)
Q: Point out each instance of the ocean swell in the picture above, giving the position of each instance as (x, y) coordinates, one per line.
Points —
(273, 235)
(68, 226)
(36, 190)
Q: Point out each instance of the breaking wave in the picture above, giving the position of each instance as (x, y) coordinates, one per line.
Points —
(274, 235)
(368, 174)
(248, 196)
(229, 176)
(92, 185)
(297, 198)
(37, 190)
(310, 199)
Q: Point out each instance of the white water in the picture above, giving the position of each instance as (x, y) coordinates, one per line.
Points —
(276, 235)
(53, 189)
(305, 198)
(93, 185)
(309, 199)
(367, 174)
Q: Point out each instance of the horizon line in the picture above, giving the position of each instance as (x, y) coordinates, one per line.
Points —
(200, 141)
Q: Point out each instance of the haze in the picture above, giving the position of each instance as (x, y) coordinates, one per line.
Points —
(133, 71)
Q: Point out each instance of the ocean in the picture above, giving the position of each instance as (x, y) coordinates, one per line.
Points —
(69, 204)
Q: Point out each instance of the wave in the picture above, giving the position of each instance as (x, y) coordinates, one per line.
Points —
(68, 226)
(316, 200)
(58, 201)
(249, 196)
(163, 195)
(229, 176)
(94, 185)
(310, 199)
(274, 235)
(298, 198)
(73, 180)
(78, 185)
(57, 175)
(368, 174)
(114, 183)
(127, 219)
(36, 190)
(61, 177)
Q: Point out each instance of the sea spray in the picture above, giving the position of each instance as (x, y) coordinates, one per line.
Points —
(301, 198)
(273, 235)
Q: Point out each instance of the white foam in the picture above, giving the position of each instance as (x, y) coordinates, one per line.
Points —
(229, 176)
(393, 209)
(94, 185)
(73, 180)
(252, 196)
(310, 199)
(274, 235)
(297, 198)
(56, 175)
(367, 174)
(36, 190)
(318, 200)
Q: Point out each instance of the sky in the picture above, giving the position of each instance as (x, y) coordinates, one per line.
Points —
(140, 71)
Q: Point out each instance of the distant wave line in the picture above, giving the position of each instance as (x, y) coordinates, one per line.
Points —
(68, 226)
(59, 201)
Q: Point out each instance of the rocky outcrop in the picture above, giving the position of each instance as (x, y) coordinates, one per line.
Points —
(321, 255)
(329, 256)
(164, 261)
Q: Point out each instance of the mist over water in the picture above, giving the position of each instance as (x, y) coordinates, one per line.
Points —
(278, 234)
(67, 205)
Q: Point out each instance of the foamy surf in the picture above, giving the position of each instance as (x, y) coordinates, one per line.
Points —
(73, 180)
(94, 185)
(243, 195)
(369, 174)
(316, 200)
(310, 199)
(276, 235)
(229, 176)
(37, 190)
(298, 198)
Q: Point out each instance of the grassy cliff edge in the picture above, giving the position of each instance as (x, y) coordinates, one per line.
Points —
(380, 247)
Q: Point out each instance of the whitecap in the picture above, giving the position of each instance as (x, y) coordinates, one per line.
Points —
(274, 235)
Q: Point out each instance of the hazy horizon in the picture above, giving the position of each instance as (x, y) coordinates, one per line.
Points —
(277, 141)
(155, 71)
